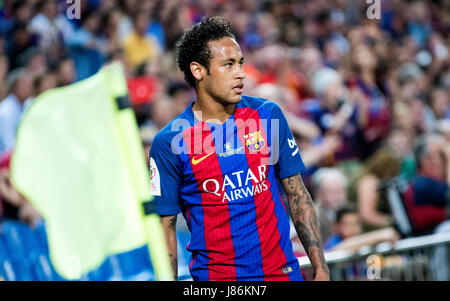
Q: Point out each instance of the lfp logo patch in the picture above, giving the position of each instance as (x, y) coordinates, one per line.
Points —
(254, 141)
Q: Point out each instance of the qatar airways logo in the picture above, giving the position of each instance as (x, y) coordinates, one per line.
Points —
(241, 184)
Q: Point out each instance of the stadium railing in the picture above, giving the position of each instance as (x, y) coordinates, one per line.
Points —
(424, 258)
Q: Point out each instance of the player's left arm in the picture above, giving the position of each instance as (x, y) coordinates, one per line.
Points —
(305, 221)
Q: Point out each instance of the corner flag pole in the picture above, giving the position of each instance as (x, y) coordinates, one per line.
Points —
(135, 157)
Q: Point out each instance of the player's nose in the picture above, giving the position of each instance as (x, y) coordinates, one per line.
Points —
(240, 74)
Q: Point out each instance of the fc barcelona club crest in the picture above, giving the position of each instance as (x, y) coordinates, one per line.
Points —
(254, 141)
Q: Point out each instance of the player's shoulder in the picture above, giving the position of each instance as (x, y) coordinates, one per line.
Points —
(265, 107)
(258, 103)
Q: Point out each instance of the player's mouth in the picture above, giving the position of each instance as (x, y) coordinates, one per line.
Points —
(238, 89)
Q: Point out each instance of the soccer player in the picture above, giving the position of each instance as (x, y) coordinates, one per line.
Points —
(218, 163)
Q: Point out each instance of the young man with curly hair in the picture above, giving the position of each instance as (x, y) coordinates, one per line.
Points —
(219, 162)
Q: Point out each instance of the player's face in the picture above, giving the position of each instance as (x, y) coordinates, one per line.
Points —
(224, 83)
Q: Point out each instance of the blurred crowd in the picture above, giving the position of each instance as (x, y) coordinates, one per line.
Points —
(366, 96)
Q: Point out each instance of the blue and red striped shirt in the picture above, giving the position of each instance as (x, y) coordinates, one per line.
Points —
(223, 178)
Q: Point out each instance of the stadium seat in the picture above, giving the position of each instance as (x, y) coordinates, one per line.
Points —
(134, 265)
(6, 268)
(103, 273)
(24, 255)
(41, 235)
(19, 242)
(30, 259)
(44, 267)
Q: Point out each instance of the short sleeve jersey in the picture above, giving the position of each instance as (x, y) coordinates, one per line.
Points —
(223, 178)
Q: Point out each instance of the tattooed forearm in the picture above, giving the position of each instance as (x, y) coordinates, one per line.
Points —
(305, 221)
(173, 222)
(169, 226)
(173, 257)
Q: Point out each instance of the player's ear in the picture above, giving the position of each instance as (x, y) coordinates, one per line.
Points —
(198, 71)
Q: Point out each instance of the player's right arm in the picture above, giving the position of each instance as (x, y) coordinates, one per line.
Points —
(165, 181)
(169, 224)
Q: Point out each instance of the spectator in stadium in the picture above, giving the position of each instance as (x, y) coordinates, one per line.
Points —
(439, 108)
(329, 186)
(181, 94)
(285, 98)
(410, 115)
(177, 16)
(125, 26)
(374, 108)
(161, 111)
(418, 26)
(4, 66)
(110, 21)
(87, 49)
(327, 34)
(333, 110)
(21, 11)
(274, 65)
(11, 199)
(317, 150)
(51, 27)
(317, 153)
(19, 40)
(348, 233)
(427, 200)
(3, 166)
(44, 82)
(34, 61)
(444, 128)
(139, 46)
(65, 71)
(311, 61)
(377, 170)
(15, 205)
(410, 78)
(12, 107)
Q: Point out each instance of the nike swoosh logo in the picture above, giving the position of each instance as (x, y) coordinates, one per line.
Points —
(196, 161)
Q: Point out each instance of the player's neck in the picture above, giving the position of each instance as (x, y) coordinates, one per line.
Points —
(209, 110)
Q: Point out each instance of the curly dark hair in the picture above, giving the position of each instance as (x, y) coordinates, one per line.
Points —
(193, 44)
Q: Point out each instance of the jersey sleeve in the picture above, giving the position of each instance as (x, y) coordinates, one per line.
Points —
(165, 176)
(289, 159)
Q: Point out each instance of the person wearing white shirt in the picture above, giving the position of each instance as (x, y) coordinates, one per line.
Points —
(12, 107)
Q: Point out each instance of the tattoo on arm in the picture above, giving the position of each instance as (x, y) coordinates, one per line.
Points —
(174, 257)
(305, 221)
(173, 222)
(169, 224)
